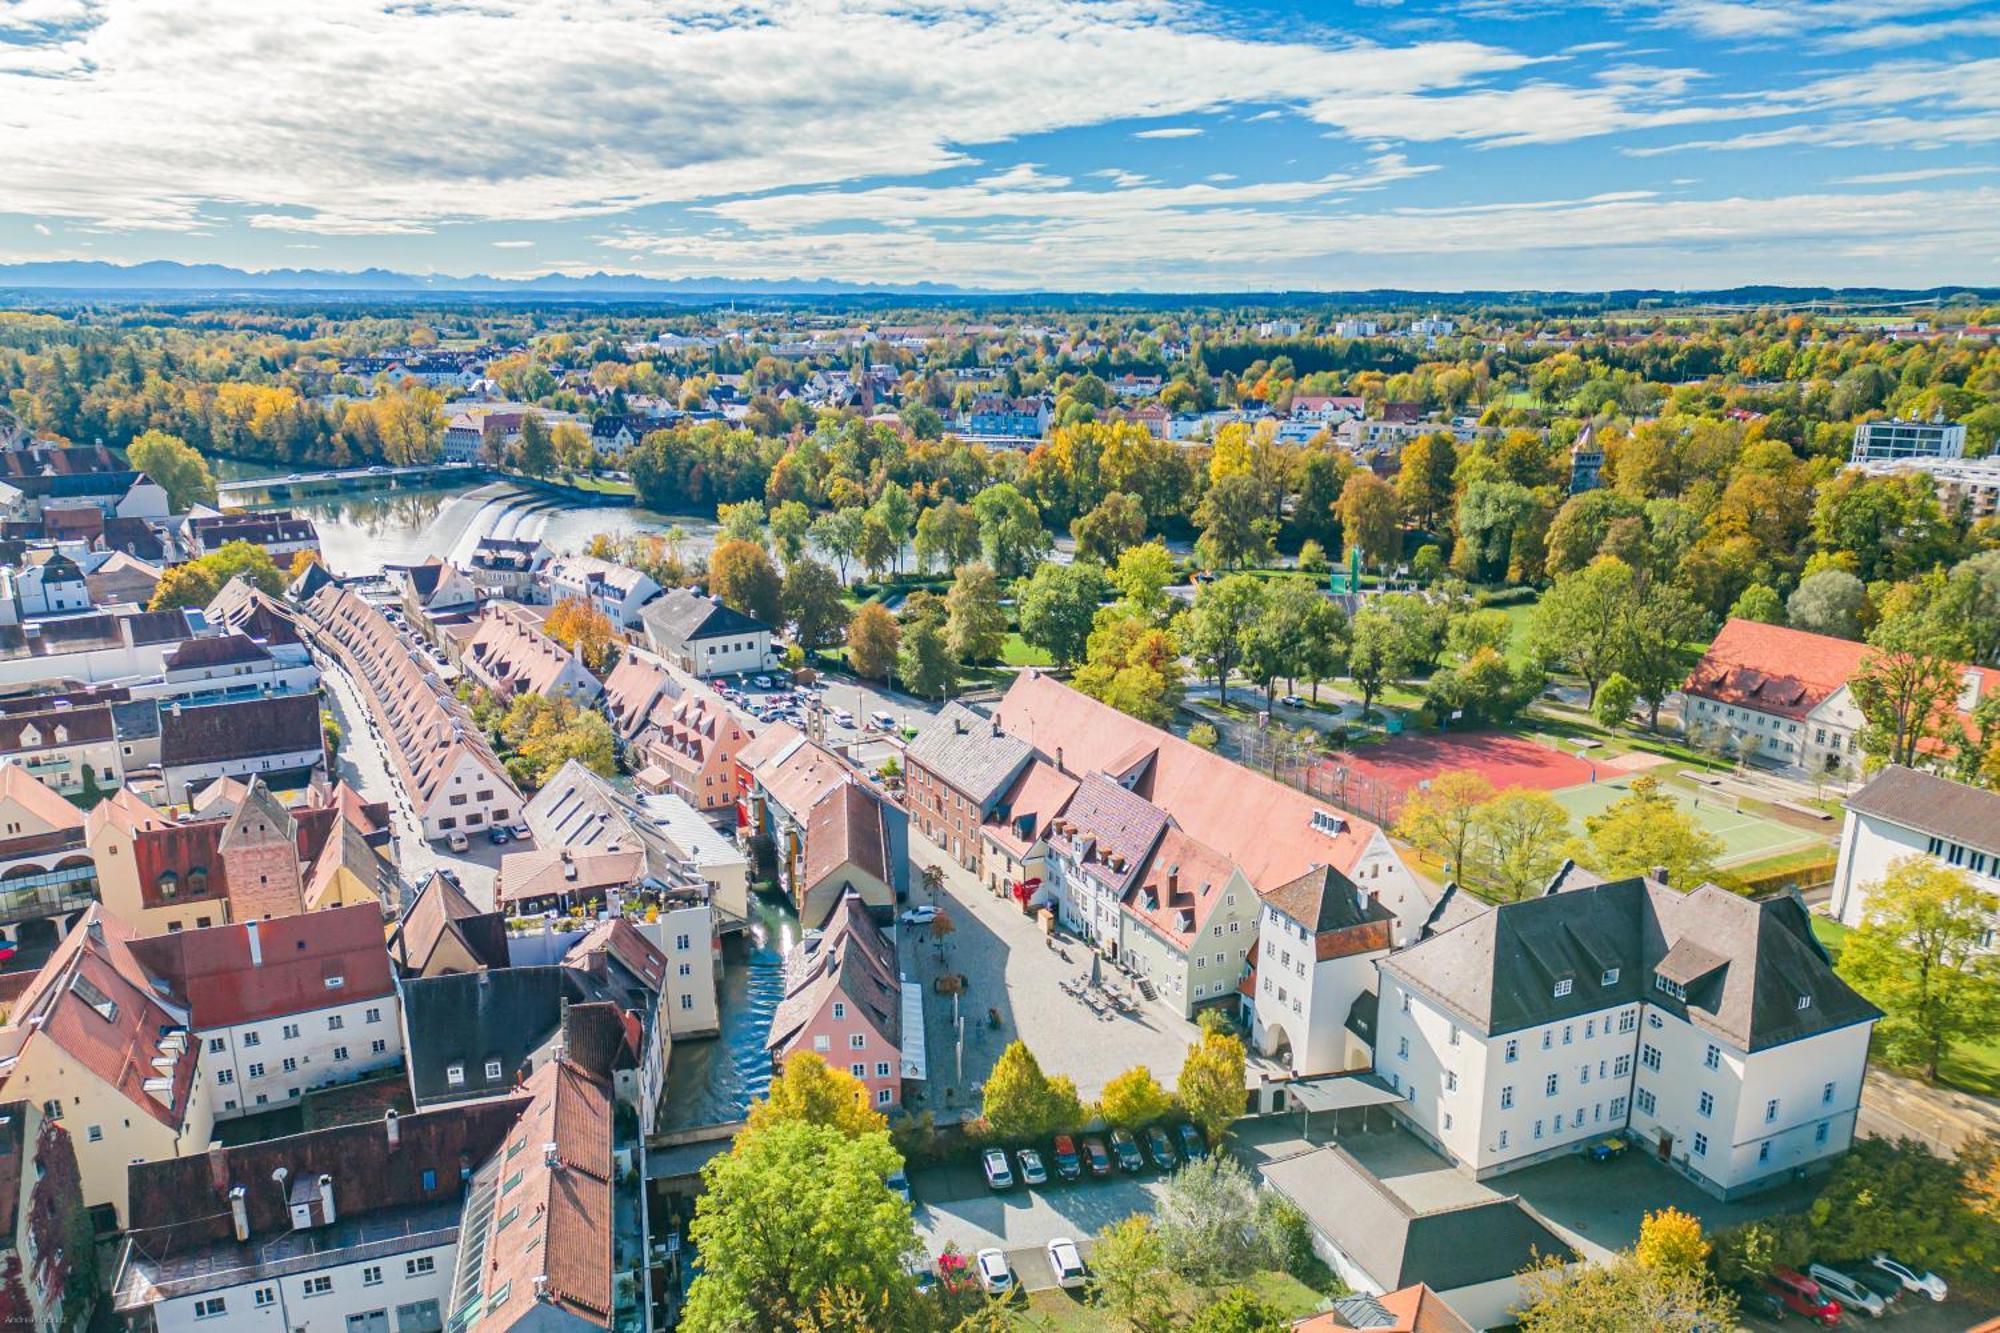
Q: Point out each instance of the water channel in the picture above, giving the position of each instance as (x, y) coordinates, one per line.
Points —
(713, 1082)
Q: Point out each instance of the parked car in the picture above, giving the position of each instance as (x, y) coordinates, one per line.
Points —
(521, 832)
(899, 1183)
(1292, 701)
(1802, 1296)
(497, 835)
(457, 841)
(1126, 1148)
(1874, 1279)
(1066, 1262)
(882, 721)
(1756, 1300)
(1096, 1158)
(1068, 1165)
(1846, 1290)
(1193, 1146)
(843, 718)
(1914, 1277)
(920, 915)
(762, 682)
(995, 1278)
(1032, 1170)
(1161, 1149)
(999, 1176)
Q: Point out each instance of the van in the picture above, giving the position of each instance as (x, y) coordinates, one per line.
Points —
(882, 721)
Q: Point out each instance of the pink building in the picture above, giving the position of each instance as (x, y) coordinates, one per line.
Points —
(843, 1003)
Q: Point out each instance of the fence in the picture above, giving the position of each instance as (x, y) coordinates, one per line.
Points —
(1297, 760)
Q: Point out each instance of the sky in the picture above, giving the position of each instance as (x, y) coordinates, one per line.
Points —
(1106, 145)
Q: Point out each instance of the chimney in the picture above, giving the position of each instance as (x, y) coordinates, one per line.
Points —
(218, 1165)
(394, 1130)
(326, 1199)
(256, 943)
(1659, 873)
(1059, 762)
(239, 1213)
(96, 929)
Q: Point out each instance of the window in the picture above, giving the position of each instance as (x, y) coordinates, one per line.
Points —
(1711, 1058)
(318, 1286)
(378, 1046)
(216, 1045)
(1621, 1066)
(1826, 1095)
(858, 1041)
(211, 1308)
(225, 1076)
(1583, 1074)
(1548, 1038)
(251, 1039)
(1569, 1034)
(430, 1180)
(1402, 1048)
(1617, 1107)
(1643, 1099)
(687, 1002)
(1666, 987)
(1447, 1120)
(1513, 1050)
(95, 1133)
(1454, 1034)
(1700, 1145)
(1538, 1129)
(883, 1096)
(335, 1022)
(1805, 1002)
(839, 1009)
(1590, 1029)
(1562, 987)
(1507, 1098)
(1628, 1020)
(371, 1276)
(372, 1016)
(1705, 1104)
(1610, 977)
(1406, 1002)
(1502, 1144)
(858, 1069)
(1550, 1085)
(492, 1069)
(340, 1052)
(1764, 1151)
(1451, 1080)
(822, 1043)
(881, 1069)
(422, 1264)
(1771, 1111)
(454, 1075)
(255, 1070)
(264, 1297)
(1557, 1128)
(291, 1065)
(1819, 1132)
(290, 1032)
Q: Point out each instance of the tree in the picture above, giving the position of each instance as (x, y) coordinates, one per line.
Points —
(791, 522)
(975, 622)
(1211, 1085)
(1057, 607)
(838, 535)
(1642, 830)
(1239, 1310)
(191, 584)
(1204, 735)
(793, 1211)
(1216, 630)
(1918, 956)
(1759, 602)
(1905, 689)
(947, 535)
(1663, 619)
(896, 511)
(1671, 1239)
(808, 1089)
(1134, 666)
(742, 575)
(810, 603)
(1021, 1102)
(1614, 700)
(547, 732)
(1377, 653)
(1427, 566)
(1322, 647)
(535, 452)
(1621, 1295)
(1010, 530)
(1114, 526)
(1520, 838)
(742, 522)
(878, 549)
(1236, 523)
(1424, 482)
(873, 638)
(1134, 1098)
(1902, 1198)
(924, 659)
(1142, 576)
(1584, 621)
(1470, 632)
(1207, 1220)
(179, 469)
(1312, 558)
(1369, 517)
(1829, 602)
(574, 623)
(1129, 1275)
(1442, 816)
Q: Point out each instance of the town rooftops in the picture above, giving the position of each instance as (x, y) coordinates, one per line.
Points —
(1342, 919)
(845, 828)
(248, 971)
(479, 1021)
(441, 910)
(852, 958)
(1774, 669)
(219, 733)
(1930, 804)
(1035, 797)
(969, 752)
(795, 771)
(1752, 972)
(685, 616)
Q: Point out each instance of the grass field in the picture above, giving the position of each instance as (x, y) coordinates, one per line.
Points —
(1744, 837)
(1972, 1066)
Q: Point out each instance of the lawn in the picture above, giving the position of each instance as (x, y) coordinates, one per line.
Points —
(1057, 1311)
(1019, 652)
(1744, 835)
(603, 485)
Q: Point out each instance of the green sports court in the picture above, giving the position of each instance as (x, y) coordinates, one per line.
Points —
(1744, 837)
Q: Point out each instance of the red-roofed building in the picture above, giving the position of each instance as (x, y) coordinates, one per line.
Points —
(844, 1002)
(1782, 696)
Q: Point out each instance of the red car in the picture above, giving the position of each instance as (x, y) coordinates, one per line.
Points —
(1802, 1296)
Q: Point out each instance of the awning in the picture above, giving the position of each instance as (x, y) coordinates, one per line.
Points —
(1342, 1092)
(915, 1065)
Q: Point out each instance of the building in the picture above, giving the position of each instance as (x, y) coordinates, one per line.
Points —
(91, 1044)
(444, 932)
(1586, 462)
(67, 748)
(1967, 486)
(282, 1006)
(1412, 1309)
(636, 685)
(619, 591)
(1709, 1027)
(1014, 840)
(433, 593)
(846, 855)
(1781, 695)
(270, 738)
(230, 666)
(683, 856)
(997, 415)
(844, 1002)
(90, 649)
(280, 533)
(687, 746)
(955, 771)
(1905, 813)
(351, 1227)
(47, 877)
(1357, 328)
(46, 582)
(437, 754)
(1893, 439)
(704, 638)
(1319, 939)
(508, 567)
(41, 1198)
(566, 879)
(482, 427)
(508, 655)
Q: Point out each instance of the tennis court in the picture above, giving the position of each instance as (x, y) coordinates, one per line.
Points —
(1744, 837)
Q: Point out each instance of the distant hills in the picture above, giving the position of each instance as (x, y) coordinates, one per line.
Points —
(162, 275)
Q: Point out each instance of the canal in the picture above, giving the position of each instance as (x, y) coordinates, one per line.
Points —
(713, 1082)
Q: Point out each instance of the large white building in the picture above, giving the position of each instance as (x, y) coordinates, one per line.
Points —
(1708, 1026)
(1902, 813)
(1312, 998)
(1892, 438)
(616, 590)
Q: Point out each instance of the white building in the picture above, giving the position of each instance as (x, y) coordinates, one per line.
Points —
(704, 638)
(1319, 939)
(1710, 1027)
(1903, 813)
(1968, 484)
(1893, 438)
(616, 590)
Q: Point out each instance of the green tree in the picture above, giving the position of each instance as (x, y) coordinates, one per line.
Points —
(1010, 530)
(1829, 602)
(795, 1210)
(1615, 699)
(1134, 1098)
(1906, 688)
(1236, 523)
(1211, 1085)
(808, 1089)
(1759, 602)
(1621, 1295)
(1207, 1220)
(535, 451)
(838, 536)
(810, 598)
(1520, 836)
(1377, 654)
(1584, 621)
(976, 623)
(179, 469)
(1427, 566)
(1107, 531)
(1239, 1310)
(1129, 1276)
(1216, 630)
(1369, 518)
(791, 523)
(1664, 619)
(924, 659)
(1312, 558)
(742, 575)
(1057, 607)
(191, 584)
(1443, 817)
(1918, 955)
(873, 638)
(1644, 829)
(897, 513)
(1021, 1102)
(947, 535)
(1424, 483)
(1134, 666)
(1142, 576)
(742, 522)
(1203, 734)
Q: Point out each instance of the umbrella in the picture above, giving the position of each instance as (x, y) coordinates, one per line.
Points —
(1096, 968)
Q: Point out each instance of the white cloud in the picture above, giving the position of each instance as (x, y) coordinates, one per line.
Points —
(1023, 176)
(43, 229)
(1263, 115)
(1122, 178)
(512, 245)
(1919, 174)
(1172, 132)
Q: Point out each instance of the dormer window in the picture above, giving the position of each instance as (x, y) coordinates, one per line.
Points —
(1562, 988)
(454, 1075)
(1610, 977)
(1805, 1002)
(1667, 987)
(169, 884)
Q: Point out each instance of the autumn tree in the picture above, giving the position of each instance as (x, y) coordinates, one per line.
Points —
(1906, 688)
(1129, 1276)
(1584, 621)
(1021, 1102)
(1134, 666)
(1142, 576)
(1619, 1296)
(1377, 654)
(810, 602)
(1919, 955)
(1443, 816)
(574, 623)
(873, 638)
(806, 1088)
(1211, 1085)
(741, 573)
(924, 660)
(1134, 1098)
(1370, 519)
(1117, 523)
(1236, 524)
(177, 467)
(1671, 1239)
(1520, 835)
(1424, 480)
(975, 622)
(1645, 829)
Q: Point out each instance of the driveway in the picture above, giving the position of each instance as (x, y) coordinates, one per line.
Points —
(1014, 973)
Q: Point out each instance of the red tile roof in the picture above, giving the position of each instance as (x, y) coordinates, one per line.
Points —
(1773, 669)
(248, 971)
(845, 828)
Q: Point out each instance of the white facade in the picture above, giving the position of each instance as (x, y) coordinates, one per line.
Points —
(1870, 844)
(1302, 1000)
(1826, 740)
(471, 800)
(270, 1063)
(183, 780)
(1891, 439)
(686, 935)
(400, 1286)
(280, 675)
(616, 590)
(749, 650)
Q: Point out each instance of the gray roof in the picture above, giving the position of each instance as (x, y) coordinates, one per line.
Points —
(1396, 1245)
(1934, 805)
(684, 616)
(1750, 963)
(968, 753)
(468, 1018)
(1324, 899)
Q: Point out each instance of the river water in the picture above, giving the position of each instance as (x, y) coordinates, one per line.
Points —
(713, 1081)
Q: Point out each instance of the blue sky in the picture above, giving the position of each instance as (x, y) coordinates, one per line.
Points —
(1059, 144)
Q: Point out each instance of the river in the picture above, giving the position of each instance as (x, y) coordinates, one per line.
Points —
(713, 1081)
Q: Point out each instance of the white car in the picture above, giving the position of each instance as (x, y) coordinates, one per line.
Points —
(995, 1278)
(1066, 1262)
(1851, 1294)
(1914, 1278)
(762, 682)
(882, 721)
(456, 841)
(919, 916)
(842, 717)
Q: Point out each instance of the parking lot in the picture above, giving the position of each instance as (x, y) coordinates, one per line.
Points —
(953, 1206)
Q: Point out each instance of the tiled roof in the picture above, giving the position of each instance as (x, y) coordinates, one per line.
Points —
(221, 650)
(248, 971)
(1184, 882)
(1035, 797)
(1773, 669)
(969, 752)
(1932, 805)
(851, 958)
(1326, 900)
(17, 784)
(685, 616)
(1110, 831)
(28, 732)
(441, 909)
(509, 654)
(794, 771)
(845, 828)
(631, 690)
(218, 733)
(548, 871)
